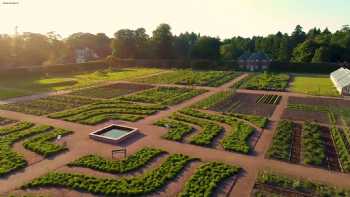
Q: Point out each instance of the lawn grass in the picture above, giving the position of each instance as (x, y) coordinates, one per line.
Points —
(23, 85)
(314, 85)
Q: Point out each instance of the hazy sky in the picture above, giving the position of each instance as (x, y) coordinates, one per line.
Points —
(224, 18)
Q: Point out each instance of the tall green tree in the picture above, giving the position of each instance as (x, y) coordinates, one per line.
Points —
(207, 48)
(304, 52)
(321, 55)
(163, 41)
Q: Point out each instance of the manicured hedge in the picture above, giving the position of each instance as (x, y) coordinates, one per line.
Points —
(177, 129)
(281, 142)
(313, 147)
(135, 161)
(300, 185)
(207, 178)
(209, 132)
(10, 160)
(135, 186)
(14, 128)
(42, 144)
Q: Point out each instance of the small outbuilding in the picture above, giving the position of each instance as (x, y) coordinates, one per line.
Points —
(254, 61)
(341, 80)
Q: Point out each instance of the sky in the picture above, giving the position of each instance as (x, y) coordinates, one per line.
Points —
(223, 18)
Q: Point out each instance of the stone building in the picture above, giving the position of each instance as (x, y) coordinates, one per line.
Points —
(254, 61)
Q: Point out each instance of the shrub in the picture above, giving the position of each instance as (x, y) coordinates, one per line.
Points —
(281, 142)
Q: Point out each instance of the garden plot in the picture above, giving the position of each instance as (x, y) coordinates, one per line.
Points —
(103, 111)
(40, 144)
(190, 77)
(238, 139)
(244, 103)
(268, 99)
(273, 184)
(48, 105)
(110, 91)
(320, 110)
(149, 182)
(310, 144)
(164, 95)
(266, 81)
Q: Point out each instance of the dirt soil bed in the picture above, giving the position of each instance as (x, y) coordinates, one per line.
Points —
(268, 190)
(245, 104)
(296, 143)
(331, 153)
(297, 115)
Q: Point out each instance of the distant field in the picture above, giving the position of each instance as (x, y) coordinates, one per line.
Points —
(314, 85)
(13, 86)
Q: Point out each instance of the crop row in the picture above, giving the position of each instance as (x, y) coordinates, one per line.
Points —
(107, 110)
(343, 152)
(268, 99)
(281, 142)
(209, 132)
(190, 77)
(135, 186)
(237, 140)
(206, 179)
(282, 183)
(313, 146)
(213, 100)
(5, 121)
(14, 128)
(48, 105)
(177, 130)
(164, 95)
(135, 161)
(10, 160)
(267, 81)
(42, 144)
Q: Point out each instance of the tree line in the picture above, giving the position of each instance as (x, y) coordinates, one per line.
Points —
(314, 46)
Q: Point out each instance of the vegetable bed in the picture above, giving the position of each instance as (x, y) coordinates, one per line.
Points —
(140, 185)
(268, 99)
(282, 141)
(177, 130)
(133, 162)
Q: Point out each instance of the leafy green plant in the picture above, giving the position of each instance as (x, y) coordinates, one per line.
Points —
(267, 81)
(10, 160)
(299, 185)
(238, 139)
(177, 129)
(14, 128)
(343, 152)
(41, 144)
(212, 100)
(281, 142)
(207, 178)
(135, 186)
(313, 147)
(135, 161)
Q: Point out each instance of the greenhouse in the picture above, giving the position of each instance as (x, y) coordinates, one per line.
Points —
(341, 80)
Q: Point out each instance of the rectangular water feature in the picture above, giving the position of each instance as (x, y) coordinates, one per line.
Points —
(113, 134)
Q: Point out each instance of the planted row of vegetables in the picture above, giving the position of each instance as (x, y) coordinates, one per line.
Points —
(42, 144)
(238, 140)
(164, 95)
(267, 81)
(48, 105)
(268, 99)
(281, 185)
(135, 186)
(14, 128)
(209, 132)
(191, 77)
(10, 160)
(133, 162)
(282, 141)
(213, 100)
(107, 110)
(341, 147)
(177, 129)
(313, 146)
(207, 178)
